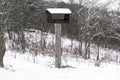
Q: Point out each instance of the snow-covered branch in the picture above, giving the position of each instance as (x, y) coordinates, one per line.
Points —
(2, 13)
(78, 12)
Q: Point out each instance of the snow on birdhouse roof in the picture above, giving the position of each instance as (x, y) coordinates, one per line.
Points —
(59, 10)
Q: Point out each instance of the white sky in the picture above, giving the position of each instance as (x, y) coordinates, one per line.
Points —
(114, 4)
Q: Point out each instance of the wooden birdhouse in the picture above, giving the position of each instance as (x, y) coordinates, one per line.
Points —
(58, 15)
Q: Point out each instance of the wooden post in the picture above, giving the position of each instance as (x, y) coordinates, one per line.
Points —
(57, 45)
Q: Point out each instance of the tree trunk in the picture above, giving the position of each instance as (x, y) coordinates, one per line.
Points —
(43, 42)
(71, 46)
(86, 52)
(98, 52)
(97, 63)
(10, 34)
(80, 48)
(2, 49)
(22, 41)
(80, 42)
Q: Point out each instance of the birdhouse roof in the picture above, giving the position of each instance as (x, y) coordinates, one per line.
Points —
(59, 11)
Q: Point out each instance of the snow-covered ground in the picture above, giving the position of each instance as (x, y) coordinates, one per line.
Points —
(21, 68)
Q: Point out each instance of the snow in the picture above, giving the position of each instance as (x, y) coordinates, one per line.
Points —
(21, 68)
(59, 10)
(1, 13)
